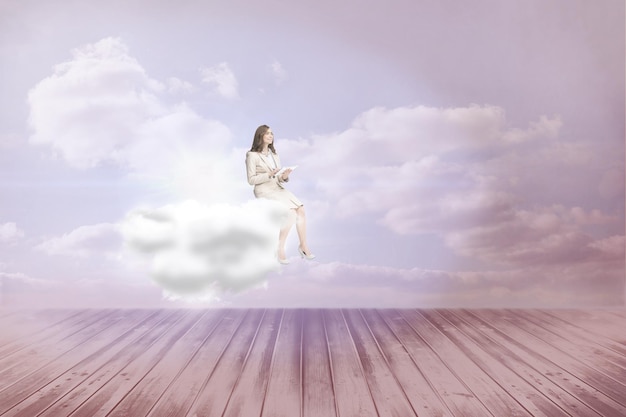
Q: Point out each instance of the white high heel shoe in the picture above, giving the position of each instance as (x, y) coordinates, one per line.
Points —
(282, 261)
(305, 255)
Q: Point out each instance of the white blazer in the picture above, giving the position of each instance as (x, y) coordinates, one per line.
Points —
(258, 168)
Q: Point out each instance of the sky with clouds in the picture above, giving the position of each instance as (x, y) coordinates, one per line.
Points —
(449, 153)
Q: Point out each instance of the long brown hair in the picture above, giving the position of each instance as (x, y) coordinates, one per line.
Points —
(257, 142)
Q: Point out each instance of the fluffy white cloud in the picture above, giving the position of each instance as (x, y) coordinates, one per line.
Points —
(222, 80)
(89, 109)
(176, 85)
(97, 239)
(540, 236)
(410, 164)
(450, 212)
(465, 175)
(200, 252)
(9, 232)
(544, 128)
(614, 246)
(101, 107)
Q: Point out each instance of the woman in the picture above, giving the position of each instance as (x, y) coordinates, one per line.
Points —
(263, 166)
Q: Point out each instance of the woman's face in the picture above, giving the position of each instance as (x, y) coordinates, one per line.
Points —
(268, 137)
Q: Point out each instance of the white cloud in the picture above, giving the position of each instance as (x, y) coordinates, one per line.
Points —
(11, 280)
(583, 217)
(613, 246)
(176, 86)
(20, 290)
(89, 109)
(98, 239)
(200, 252)
(450, 212)
(9, 232)
(410, 164)
(101, 107)
(456, 172)
(539, 236)
(544, 128)
(222, 80)
(279, 73)
(463, 174)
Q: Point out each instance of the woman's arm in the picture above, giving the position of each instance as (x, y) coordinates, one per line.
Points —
(254, 177)
(284, 177)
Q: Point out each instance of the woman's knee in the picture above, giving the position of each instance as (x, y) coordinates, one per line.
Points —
(291, 218)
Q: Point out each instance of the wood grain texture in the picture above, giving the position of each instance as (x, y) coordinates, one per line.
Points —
(318, 394)
(306, 363)
(354, 397)
(283, 397)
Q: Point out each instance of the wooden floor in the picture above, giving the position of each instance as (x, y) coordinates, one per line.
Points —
(325, 363)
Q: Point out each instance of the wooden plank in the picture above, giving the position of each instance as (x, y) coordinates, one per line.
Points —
(45, 344)
(5, 312)
(18, 327)
(467, 388)
(352, 393)
(469, 369)
(388, 395)
(103, 359)
(514, 340)
(582, 371)
(554, 392)
(423, 397)
(214, 396)
(508, 372)
(597, 322)
(564, 320)
(601, 363)
(302, 363)
(187, 386)
(612, 355)
(21, 363)
(99, 393)
(425, 354)
(9, 314)
(151, 386)
(40, 376)
(318, 396)
(283, 397)
(619, 313)
(250, 389)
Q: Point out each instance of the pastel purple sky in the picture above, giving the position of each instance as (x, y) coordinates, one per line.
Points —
(451, 153)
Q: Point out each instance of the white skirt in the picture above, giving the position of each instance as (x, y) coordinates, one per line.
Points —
(284, 196)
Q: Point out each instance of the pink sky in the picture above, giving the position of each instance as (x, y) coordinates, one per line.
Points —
(450, 153)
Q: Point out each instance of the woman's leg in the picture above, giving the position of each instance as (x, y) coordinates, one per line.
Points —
(284, 232)
(301, 228)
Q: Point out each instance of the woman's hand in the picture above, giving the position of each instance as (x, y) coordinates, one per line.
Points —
(273, 172)
(286, 173)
